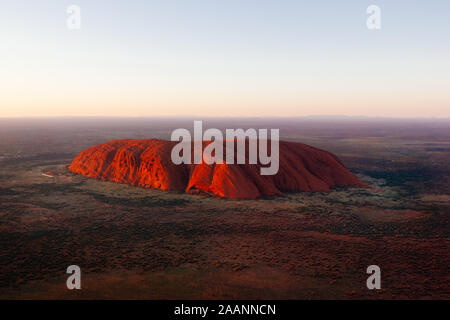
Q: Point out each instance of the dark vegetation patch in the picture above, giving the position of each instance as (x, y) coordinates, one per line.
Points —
(48, 188)
(413, 181)
(139, 202)
(43, 250)
(438, 149)
(8, 192)
(400, 177)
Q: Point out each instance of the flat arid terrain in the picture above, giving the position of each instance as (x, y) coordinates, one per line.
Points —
(137, 243)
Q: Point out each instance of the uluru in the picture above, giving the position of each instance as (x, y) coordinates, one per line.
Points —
(147, 163)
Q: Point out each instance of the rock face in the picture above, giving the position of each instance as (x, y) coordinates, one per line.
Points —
(147, 163)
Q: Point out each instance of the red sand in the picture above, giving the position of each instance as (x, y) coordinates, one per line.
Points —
(147, 163)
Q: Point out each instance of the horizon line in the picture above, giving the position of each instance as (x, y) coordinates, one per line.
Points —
(327, 116)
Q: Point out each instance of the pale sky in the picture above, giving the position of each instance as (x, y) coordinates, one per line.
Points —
(225, 58)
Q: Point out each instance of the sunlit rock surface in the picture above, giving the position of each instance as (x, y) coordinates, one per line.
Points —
(147, 163)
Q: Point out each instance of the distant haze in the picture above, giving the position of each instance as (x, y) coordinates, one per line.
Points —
(225, 58)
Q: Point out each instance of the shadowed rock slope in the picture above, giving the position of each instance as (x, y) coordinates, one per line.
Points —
(147, 163)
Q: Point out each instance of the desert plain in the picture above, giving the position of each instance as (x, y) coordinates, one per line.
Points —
(138, 243)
